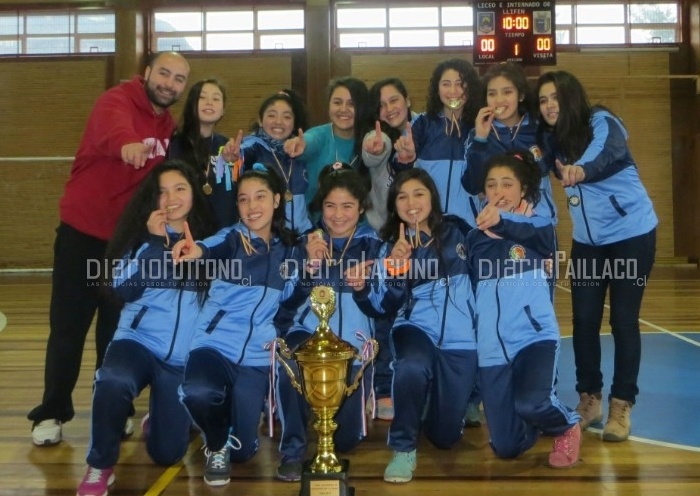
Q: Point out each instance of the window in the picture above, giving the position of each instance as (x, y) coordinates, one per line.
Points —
(67, 31)
(617, 23)
(252, 28)
(396, 24)
(403, 25)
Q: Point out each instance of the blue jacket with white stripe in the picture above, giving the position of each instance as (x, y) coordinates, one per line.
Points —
(504, 139)
(161, 302)
(510, 278)
(440, 152)
(237, 318)
(435, 295)
(611, 204)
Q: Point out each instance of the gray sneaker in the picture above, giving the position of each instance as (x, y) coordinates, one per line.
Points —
(473, 416)
(217, 471)
(289, 471)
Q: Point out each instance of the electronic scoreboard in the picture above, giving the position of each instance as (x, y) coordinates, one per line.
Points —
(514, 32)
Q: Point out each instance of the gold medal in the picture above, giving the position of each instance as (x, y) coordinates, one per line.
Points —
(288, 196)
(207, 189)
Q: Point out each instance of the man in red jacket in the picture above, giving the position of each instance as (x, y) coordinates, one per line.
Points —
(126, 135)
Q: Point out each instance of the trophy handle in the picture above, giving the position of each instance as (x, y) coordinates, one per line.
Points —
(283, 354)
(365, 359)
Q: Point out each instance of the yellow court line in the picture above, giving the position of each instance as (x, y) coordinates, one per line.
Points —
(171, 472)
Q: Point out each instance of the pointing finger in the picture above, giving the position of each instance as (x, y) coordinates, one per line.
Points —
(188, 235)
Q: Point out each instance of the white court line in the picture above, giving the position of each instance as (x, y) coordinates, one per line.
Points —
(3, 321)
(652, 442)
(644, 440)
(653, 326)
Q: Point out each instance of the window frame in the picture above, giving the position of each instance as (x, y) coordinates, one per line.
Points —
(571, 29)
(75, 37)
(257, 32)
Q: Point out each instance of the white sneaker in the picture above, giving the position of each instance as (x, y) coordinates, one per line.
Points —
(146, 425)
(47, 432)
(128, 428)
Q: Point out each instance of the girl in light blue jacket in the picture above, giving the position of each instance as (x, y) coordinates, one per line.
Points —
(161, 304)
(614, 230)
(422, 276)
(340, 243)
(254, 265)
(510, 257)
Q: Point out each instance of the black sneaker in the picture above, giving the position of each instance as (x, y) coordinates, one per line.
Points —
(217, 471)
(289, 471)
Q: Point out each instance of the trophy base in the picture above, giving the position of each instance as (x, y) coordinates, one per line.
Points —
(320, 484)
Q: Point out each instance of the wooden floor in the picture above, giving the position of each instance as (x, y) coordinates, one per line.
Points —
(672, 303)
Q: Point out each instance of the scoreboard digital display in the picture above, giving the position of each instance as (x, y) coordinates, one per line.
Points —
(521, 32)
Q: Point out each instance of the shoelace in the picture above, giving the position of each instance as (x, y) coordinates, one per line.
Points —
(219, 457)
(618, 411)
(590, 401)
(94, 475)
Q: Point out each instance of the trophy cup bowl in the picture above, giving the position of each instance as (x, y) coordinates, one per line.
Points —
(324, 362)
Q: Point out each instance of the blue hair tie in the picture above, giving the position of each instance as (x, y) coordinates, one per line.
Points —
(257, 166)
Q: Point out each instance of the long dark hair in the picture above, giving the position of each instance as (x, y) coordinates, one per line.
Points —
(526, 170)
(344, 177)
(515, 74)
(273, 181)
(375, 96)
(294, 101)
(572, 131)
(196, 149)
(131, 231)
(362, 123)
(390, 231)
(471, 83)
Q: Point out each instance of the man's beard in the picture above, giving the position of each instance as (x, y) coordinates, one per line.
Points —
(156, 99)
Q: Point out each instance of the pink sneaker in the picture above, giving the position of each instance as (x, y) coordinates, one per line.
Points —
(566, 448)
(96, 482)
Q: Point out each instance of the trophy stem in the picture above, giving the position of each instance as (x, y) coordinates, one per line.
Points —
(325, 460)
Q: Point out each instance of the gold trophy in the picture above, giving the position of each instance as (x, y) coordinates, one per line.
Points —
(325, 363)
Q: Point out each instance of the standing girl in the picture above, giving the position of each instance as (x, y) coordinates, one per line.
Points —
(510, 256)
(156, 323)
(340, 140)
(424, 280)
(391, 108)
(226, 375)
(613, 219)
(280, 116)
(435, 139)
(341, 244)
(506, 123)
(391, 111)
(197, 143)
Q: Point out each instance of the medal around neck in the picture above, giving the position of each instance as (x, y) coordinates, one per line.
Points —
(324, 363)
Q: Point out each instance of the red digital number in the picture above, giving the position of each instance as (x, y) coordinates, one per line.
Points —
(488, 44)
(543, 44)
(516, 22)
